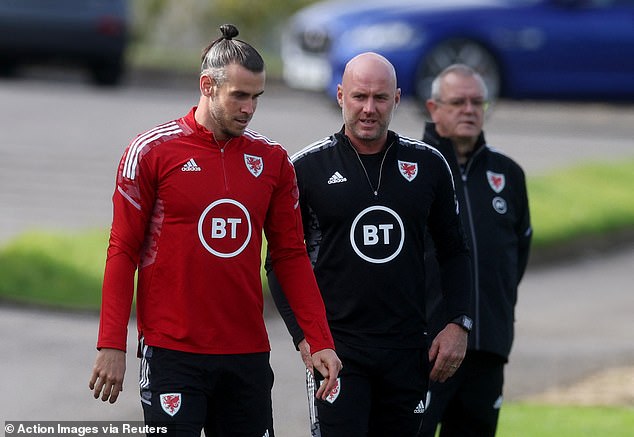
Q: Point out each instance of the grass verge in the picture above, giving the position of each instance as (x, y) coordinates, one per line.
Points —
(586, 200)
(62, 270)
(530, 420)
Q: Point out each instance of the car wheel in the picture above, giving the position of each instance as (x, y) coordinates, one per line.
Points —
(8, 67)
(455, 51)
(107, 73)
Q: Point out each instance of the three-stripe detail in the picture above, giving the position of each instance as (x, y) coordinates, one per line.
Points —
(142, 141)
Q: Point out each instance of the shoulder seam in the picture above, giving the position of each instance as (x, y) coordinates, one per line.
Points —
(150, 138)
(313, 147)
(259, 137)
(421, 145)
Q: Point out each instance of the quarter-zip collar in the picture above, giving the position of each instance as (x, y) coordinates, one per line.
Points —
(203, 132)
(209, 138)
(445, 146)
(392, 138)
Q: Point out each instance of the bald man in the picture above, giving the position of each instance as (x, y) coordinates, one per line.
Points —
(367, 196)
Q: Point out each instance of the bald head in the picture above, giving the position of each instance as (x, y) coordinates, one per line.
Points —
(370, 67)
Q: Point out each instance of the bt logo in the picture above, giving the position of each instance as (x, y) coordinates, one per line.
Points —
(219, 227)
(377, 234)
(224, 228)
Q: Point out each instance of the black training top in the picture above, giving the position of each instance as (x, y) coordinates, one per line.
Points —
(494, 210)
(365, 219)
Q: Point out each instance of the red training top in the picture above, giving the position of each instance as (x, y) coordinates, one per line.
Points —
(189, 213)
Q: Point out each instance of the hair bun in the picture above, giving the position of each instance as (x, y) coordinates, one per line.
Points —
(229, 31)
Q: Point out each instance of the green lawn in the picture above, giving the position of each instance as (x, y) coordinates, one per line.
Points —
(519, 419)
(590, 199)
(531, 420)
(54, 269)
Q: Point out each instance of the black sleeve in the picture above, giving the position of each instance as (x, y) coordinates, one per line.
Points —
(456, 277)
(312, 237)
(434, 303)
(452, 252)
(283, 307)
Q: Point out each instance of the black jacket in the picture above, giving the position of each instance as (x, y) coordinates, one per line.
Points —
(365, 218)
(491, 190)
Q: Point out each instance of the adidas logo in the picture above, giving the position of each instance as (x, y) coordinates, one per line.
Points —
(336, 179)
(420, 408)
(190, 166)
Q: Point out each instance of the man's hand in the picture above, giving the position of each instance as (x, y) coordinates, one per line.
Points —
(304, 350)
(107, 374)
(328, 365)
(447, 352)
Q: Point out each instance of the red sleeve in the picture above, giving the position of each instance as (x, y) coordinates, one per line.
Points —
(133, 202)
(285, 235)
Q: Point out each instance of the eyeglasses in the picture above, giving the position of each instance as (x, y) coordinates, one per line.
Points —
(461, 102)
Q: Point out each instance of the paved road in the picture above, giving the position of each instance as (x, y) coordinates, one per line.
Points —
(58, 154)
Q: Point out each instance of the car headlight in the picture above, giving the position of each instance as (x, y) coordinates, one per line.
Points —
(384, 36)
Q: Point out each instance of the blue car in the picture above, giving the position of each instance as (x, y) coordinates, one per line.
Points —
(89, 33)
(537, 49)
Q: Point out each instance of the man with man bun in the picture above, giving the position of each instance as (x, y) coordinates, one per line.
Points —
(192, 198)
